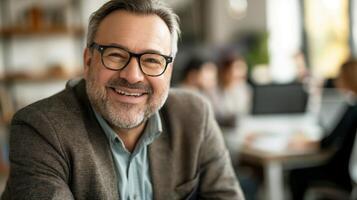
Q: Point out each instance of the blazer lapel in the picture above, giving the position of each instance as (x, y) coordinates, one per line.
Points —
(103, 157)
(161, 164)
(100, 143)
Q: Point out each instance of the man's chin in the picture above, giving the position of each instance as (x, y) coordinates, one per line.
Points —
(122, 122)
(127, 126)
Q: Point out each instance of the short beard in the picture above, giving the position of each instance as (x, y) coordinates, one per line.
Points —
(122, 115)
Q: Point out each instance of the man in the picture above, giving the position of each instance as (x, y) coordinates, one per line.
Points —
(120, 133)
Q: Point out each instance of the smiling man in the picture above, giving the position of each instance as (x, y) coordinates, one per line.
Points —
(121, 133)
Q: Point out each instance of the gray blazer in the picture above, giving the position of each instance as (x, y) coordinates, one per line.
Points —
(59, 151)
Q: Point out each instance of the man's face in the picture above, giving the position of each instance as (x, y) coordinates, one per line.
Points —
(126, 98)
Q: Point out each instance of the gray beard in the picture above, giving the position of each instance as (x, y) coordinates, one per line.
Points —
(120, 115)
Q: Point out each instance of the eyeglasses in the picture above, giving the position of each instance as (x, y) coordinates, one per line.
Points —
(116, 58)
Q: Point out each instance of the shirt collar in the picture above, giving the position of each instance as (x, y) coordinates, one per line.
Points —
(152, 130)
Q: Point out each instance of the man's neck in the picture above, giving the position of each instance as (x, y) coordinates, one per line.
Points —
(130, 136)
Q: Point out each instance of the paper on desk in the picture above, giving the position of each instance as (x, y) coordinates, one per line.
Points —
(271, 143)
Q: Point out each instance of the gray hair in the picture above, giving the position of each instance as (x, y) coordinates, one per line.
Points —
(136, 6)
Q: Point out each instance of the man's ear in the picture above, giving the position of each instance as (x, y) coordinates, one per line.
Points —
(87, 59)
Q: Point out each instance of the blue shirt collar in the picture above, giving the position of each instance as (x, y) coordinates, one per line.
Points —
(152, 130)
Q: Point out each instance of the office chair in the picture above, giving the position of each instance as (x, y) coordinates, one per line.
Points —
(353, 169)
(329, 191)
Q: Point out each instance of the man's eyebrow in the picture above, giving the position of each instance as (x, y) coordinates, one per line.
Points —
(144, 51)
(152, 51)
(119, 45)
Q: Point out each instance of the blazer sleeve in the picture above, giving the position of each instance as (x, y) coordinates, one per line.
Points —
(217, 178)
(38, 168)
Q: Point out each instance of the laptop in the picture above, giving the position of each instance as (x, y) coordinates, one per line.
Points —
(279, 99)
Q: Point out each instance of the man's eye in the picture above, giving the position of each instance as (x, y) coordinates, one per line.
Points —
(152, 60)
(117, 55)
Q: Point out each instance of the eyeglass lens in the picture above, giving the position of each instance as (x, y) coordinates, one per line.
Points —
(116, 58)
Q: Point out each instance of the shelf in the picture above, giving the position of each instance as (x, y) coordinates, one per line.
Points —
(19, 31)
(48, 76)
(34, 79)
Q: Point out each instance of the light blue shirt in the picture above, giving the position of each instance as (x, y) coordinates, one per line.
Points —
(134, 180)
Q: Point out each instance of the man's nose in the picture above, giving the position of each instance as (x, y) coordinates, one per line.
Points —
(132, 72)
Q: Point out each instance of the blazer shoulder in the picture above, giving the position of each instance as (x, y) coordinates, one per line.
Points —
(187, 110)
(187, 100)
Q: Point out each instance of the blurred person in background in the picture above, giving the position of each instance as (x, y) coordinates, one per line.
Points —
(200, 74)
(312, 83)
(301, 73)
(233, 100)
(233, 92)
(341, 138)
(353, 169)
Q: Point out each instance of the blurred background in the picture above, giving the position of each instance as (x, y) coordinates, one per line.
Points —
(265, 65)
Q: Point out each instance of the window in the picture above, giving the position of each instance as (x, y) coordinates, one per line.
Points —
(327, 35)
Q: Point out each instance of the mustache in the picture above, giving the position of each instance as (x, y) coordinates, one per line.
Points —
(123, 83)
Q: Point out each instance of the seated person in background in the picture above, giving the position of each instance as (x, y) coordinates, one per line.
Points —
(200, 73)
(302, 72)
(121, 133)
(353, 169)
(233, 95)
(336, 169)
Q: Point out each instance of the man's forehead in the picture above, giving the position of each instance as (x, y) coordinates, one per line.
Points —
(135, 31)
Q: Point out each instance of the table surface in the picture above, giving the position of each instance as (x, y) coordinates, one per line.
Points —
(271, 148)
(287, 157)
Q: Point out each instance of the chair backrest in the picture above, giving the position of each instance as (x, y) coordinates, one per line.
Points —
(353, 162)
(332, 108)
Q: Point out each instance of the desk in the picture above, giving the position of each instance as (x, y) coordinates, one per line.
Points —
(274, 164)
(270, 151)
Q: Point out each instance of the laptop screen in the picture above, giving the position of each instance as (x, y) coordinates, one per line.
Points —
(279, 99)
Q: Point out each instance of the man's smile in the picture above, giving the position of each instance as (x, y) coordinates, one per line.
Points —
(126, 95)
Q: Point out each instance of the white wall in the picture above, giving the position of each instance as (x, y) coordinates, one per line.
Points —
(284, 28)
(88, 7)
(354, 25)
(29, 92)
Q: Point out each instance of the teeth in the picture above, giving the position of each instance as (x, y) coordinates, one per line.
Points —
(127, 93)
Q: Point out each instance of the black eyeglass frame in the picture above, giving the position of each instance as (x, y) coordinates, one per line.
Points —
(101, 49)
